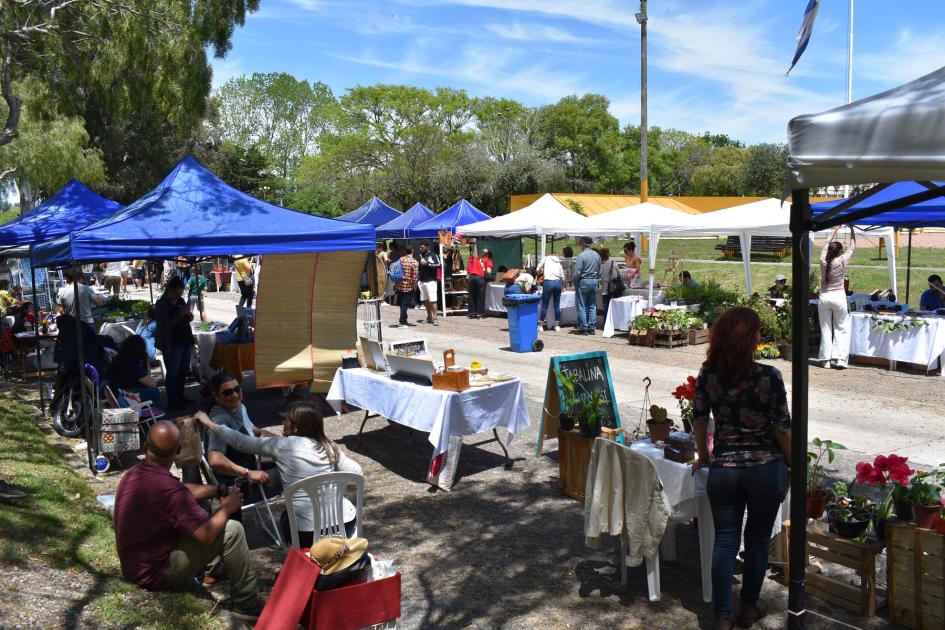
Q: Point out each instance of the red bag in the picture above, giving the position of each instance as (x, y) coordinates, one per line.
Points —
(294, 600)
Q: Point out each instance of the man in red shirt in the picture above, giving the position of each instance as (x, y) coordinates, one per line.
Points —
(405, 287)
(164, 537)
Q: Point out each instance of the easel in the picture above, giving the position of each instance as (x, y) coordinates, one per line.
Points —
(672, 270)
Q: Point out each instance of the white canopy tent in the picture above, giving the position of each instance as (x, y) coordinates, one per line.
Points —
(768, 217)
(545, 216)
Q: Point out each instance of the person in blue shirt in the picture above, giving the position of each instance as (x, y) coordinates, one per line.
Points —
(129, 371)
(147, 330)
(586, 277)
(934, 297)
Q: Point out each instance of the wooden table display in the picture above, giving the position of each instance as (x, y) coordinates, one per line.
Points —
(916, 576)
(574, 458)
(833, 549)
(234, 358)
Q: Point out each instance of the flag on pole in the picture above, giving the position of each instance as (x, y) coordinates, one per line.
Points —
(803, 35)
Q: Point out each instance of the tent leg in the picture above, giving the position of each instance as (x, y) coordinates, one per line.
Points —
(800, 225)
(909, 266)
(442, 281)
(745, 240)
(39, 354)
(543, 238)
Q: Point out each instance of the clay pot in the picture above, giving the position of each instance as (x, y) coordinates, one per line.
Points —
(816, 502)
(927, 516)
(659, 431)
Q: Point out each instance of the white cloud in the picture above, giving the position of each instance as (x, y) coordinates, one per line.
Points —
(909, 57)
(226, 69)
(308, 5)
(609, 13)
(518, 31)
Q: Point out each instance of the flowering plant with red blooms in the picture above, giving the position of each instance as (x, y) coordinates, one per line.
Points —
(685, 394)
(885, 469)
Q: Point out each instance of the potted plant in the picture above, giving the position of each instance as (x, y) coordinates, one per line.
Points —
(926, 494)
(685, 394)
(676, 319)
(589, 415)
(642, 331)
(817, 492)
(569, 402)
(888, 470)
(848, 521)
(659, 424)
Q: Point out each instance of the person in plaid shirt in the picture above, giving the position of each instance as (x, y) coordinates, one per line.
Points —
(407, 284)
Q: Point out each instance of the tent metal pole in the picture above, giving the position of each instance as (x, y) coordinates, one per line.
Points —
(85, 408)
(908, 266)
(800, 263)
(442, 280)
(39, 354)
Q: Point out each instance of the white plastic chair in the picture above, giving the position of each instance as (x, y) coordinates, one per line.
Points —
(326, 491)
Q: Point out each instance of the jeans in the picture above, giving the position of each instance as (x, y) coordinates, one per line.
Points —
(177, 364)
(246, 294)
(586, 294)
(834, 327)
(406, 302)
(730, 490)
(190, 557)
(551, 290)
(477, 295)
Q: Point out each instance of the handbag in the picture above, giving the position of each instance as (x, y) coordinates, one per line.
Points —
(191, 447)
(615, 286)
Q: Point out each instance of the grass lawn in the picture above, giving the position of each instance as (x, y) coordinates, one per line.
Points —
(698, 255)
(61, 525)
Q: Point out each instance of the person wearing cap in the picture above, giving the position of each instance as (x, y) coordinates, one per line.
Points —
(586, 277)
(164, 537)
(780, 289)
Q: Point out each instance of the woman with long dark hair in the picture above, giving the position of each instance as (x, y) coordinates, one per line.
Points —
(129, 370)
(748, 466)
(303, 450)
(832, 308)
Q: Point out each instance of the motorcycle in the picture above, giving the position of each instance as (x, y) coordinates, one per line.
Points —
(69, 409)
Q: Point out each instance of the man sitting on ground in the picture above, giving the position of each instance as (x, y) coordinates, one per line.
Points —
(933, 298)
(164, 537)
(686, 279)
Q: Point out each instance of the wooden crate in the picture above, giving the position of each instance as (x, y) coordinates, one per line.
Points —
(640, 338)
(671, 338)
(916, 588)
(574, 456)
(860, 557)
(698, 336)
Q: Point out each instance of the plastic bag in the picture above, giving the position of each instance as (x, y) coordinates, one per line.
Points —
(191, 447)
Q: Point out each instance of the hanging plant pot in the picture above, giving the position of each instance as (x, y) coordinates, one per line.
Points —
(816, 503)
(566, 422)
(659, 431)
(927, 516)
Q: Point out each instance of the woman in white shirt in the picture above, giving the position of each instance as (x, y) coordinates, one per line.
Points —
(302, 451)
(553, 273)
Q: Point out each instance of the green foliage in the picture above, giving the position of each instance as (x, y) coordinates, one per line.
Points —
(248, 170)
(764, 172)
(588, 412)
(570, 401)
(709, 295)
(675, 318)
(815, 469)
(658, 415)
(645, 322)
(722, 175)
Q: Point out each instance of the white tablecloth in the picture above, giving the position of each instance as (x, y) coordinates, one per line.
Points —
(437, 412)
(924, 345)
(621, 312)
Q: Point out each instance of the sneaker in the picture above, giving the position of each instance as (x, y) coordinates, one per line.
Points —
(9, 493)
(839, 366)
(429, 320)
(435, 322)
(247, 612)
(557, 328)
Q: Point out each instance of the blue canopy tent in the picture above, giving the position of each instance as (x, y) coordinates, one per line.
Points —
(73, 207)
(460, 213)
(926, 213)
(398, 228)
(194, 213)
(375, 212)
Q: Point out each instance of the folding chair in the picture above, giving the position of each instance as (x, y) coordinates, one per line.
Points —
(272, 527)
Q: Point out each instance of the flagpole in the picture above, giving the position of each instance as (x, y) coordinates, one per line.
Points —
(850, 58)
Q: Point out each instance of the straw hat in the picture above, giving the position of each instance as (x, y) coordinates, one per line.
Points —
(337, 554)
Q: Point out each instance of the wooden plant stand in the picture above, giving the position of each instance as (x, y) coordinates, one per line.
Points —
(916, 589)
(574, 456)
(698, 336)
(640, 337)
(832, 549)
(671, 338)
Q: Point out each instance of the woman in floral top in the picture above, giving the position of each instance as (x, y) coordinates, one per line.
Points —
(748, 466)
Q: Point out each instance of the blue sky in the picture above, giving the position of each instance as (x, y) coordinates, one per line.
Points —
(713, 65)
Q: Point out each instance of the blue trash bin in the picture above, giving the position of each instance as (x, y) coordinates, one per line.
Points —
(523, 322)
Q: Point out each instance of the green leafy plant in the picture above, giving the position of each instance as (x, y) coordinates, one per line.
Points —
(589, 411)
(925, 488)
(645, 322)
(815, 469)
(570, 400)
(696, 322)
(658, 415)
(676, 319)
(889, 325)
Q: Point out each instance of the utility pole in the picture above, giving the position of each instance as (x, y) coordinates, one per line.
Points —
(644, 140)
(850, 58)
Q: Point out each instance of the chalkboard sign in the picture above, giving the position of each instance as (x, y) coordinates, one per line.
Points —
(591, 372)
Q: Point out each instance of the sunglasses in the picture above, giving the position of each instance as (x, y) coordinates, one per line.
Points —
(230, 391)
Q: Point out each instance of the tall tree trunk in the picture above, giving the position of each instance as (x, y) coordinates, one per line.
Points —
(27, 199)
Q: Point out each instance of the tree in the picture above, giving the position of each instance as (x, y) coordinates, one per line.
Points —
(764, 173)
(47, 153)
(584, 137)
(246, 169)
(278, 114)
(722, 175)
(135, 70)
